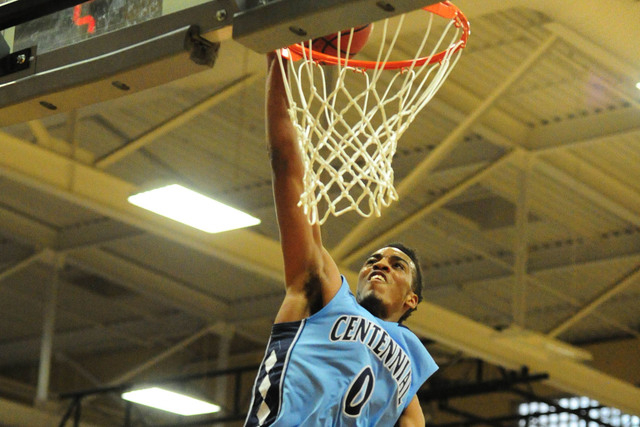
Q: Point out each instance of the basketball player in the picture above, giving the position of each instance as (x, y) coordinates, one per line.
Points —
(332, 361)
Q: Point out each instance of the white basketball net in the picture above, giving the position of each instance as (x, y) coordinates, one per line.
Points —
(348, 120)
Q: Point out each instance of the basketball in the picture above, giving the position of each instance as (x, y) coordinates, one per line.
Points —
(329, 44)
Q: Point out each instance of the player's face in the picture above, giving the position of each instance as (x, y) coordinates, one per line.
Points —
(384, 284)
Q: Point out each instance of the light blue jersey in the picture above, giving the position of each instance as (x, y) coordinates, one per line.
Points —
(339, 367)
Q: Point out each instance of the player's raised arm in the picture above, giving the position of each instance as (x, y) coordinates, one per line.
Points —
(412, 415)
(311, 276)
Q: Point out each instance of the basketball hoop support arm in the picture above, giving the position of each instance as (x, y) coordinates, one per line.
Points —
(281, 23)
(113, 64)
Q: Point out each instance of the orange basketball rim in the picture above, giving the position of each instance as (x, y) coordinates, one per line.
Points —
(444, 9)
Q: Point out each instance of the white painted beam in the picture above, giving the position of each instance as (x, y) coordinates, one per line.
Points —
(152, 285)
(105, 194)
(95, 233)
(620, 285)
(496, 125)
(24, 229)
(48, 332)
(176, 121)
(27, 349)
(540, 206)
(621, 195)
(123, 332)
(589, 193)
(571, 143)
(583, 131)
(506, 350)
(118, 270)
(132, 373)
(471, 240)
(521, 244)
(46, 140)
(19, 266)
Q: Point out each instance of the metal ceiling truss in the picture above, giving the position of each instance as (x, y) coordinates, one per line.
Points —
(105, 194)
(47, 167)
(510, 383)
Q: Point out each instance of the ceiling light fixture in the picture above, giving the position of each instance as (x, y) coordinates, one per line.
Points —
(193, 209)
(170, 401)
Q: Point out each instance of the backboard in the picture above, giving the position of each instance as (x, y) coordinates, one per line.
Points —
(83, 53)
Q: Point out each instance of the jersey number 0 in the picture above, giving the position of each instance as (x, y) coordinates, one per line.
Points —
(359, 392)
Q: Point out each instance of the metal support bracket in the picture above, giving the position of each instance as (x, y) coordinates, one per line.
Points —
(279, 23)
(202, 51)
(113, 64)
(12, 63)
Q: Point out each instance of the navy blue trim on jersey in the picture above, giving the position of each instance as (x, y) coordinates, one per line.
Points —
(341, 366)
(267, 389)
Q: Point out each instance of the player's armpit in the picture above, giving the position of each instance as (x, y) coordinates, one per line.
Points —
(412, 416)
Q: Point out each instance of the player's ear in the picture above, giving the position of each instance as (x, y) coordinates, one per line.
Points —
(411, 300)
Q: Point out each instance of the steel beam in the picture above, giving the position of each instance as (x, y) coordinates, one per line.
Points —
(107, 195)
(521, 245)
(19, 266)
(39, 169)
(46, 347)
(152, 285)
(461, 239)
(629, 279)
(507, 350)
(589, 193)
(176, 121)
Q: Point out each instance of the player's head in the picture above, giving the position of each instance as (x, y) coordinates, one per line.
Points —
(390, 282)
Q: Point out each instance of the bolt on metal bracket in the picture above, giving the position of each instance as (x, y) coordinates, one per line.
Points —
(203, 51)
(15, 62)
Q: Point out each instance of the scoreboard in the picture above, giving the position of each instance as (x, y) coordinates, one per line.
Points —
(90, 19)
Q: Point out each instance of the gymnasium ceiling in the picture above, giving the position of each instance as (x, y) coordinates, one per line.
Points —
(525, 212)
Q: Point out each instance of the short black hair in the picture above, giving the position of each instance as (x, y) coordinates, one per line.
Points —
(416, 286)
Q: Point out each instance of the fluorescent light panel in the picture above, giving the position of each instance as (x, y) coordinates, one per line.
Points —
(193, 209)
(170, 401)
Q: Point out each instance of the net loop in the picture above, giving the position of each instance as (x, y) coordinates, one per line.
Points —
(349, 114)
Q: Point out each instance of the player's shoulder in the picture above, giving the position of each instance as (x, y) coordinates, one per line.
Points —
(411, 340)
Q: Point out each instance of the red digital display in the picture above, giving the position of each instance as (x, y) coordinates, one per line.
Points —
(81, 20)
